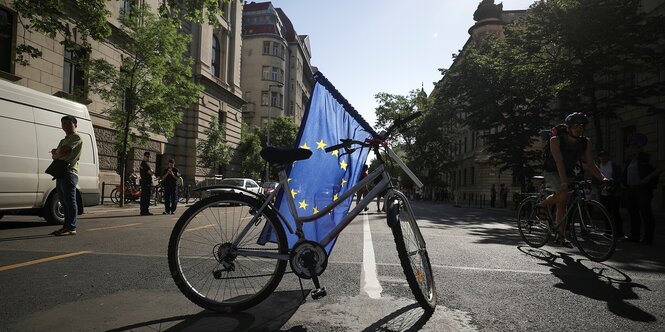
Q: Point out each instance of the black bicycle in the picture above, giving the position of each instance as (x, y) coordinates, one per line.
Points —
(588, 222)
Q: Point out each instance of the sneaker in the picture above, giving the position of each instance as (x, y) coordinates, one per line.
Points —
(64, 232)
(146, 213)
(172, 212)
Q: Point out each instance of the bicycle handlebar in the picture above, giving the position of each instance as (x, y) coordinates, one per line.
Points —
(347, 143)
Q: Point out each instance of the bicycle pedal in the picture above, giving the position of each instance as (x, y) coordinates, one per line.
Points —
(319, 293)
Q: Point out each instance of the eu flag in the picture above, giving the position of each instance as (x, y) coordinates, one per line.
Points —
(324, 177)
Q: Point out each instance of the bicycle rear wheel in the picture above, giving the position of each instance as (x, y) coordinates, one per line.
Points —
(533, 228)
(412, 252)
(216, 269)
(113, 196)
(593, 231)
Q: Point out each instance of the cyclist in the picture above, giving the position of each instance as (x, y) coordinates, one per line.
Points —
(567, 149)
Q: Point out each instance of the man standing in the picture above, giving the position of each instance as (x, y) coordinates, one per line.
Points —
(609, 195)
(170, 179)
(146, 184)
(640, 178)
(493, 196)
(69, 149)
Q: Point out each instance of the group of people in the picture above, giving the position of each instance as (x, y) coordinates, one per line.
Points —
(570, 149)
(503, 195)
(169, 177)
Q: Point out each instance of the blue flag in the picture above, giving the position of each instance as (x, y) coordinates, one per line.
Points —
(324, 177)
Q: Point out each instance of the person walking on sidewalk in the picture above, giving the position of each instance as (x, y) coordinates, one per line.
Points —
(503, 193)
(69, 149)
(640, 178)
(146, 184)
(170, 179)
(493, 195)
(610, 196)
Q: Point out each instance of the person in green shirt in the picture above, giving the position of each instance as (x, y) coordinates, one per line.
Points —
(69, 149)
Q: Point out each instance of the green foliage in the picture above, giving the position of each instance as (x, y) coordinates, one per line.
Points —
(250, 148)
(213, 151)
(90, 17)
(153, 84)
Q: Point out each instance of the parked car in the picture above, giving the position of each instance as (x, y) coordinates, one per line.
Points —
(247, 184)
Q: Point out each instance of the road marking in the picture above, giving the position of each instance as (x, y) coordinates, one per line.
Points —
(369, 281)
(200, 227)
(42, 260)
(113, 227)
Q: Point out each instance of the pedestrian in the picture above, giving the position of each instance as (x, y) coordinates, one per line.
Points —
(69, 150)
(380, 196)
(640, 178)
(170, 178)
(610, 196)
(363, 191)
(530, 188)
(503, 193)
(146, 184)
(493, 196)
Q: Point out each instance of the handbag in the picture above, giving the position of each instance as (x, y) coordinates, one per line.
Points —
(58, 168)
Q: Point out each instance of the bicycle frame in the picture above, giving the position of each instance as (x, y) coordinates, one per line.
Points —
(283, 187)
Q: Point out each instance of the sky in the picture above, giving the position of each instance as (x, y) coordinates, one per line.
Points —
(369, 46)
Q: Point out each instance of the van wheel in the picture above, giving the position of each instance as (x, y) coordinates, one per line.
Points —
(54, 211)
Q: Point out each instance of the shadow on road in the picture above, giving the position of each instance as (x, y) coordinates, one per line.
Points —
(409, 318)
(268, 315)
(23, 224)
(596, 281)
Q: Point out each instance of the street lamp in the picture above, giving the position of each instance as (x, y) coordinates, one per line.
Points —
(269, 121)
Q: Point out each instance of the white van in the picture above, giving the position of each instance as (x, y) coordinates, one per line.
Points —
(29, 129)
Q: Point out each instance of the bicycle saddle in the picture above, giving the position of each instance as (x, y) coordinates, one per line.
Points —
(284, 156)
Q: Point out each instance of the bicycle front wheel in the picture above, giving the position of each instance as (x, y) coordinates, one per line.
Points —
(594, 231)
(220, 259)
(534, 229)
(412, 252)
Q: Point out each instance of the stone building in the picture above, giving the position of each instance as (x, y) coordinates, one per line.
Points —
(216, 54)
(276, 77)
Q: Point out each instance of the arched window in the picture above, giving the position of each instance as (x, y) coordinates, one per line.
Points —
(215, 56)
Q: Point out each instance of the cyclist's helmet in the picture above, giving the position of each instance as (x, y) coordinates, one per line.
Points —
(638, 139)
(577, 118)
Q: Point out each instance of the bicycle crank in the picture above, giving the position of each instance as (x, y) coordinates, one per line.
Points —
(308, 261)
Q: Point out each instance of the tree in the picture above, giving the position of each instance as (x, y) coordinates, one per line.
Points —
(283, 132)
(153, 84)
(249, 148)
(57, 18)
(213, 151)
(598, 52)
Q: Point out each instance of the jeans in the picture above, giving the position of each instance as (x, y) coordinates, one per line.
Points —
(66, 188)
(638, 204)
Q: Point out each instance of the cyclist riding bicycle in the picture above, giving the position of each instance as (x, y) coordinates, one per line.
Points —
(567, 149)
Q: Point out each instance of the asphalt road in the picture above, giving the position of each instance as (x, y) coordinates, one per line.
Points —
(114, 276)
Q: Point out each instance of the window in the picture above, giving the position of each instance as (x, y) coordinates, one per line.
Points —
(273, 98)
(266, 47)
(216, 52)
(265, 73)
(6, 37)
(73, 82)
(473, 175)
(275, 74)
(265, 98)
(275, 49)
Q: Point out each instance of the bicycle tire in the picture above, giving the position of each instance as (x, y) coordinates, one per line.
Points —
(412, 253)
(112, 196)
(534, 230)
(594, 232)
(204, 232)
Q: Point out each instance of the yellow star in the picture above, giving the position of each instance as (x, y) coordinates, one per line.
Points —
(335, 153)
(289, 179)
(303, 205)
(321, 145)
(293, 193)
(304, 146)
(343, 182)
(334, 197)
(316, 210)
(343, 164)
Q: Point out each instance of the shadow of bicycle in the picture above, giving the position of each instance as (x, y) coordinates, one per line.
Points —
(268, 315)
(409, 318)
(594, 280)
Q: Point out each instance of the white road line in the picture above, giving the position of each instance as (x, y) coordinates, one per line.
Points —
(369, 281)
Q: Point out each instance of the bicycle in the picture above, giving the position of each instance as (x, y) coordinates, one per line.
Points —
(132, 193)
(220, 260)
(588, 222)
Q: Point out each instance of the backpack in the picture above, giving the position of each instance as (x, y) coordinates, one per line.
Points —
(548, 161)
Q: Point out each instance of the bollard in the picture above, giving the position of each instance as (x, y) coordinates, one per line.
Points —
(102, 198)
